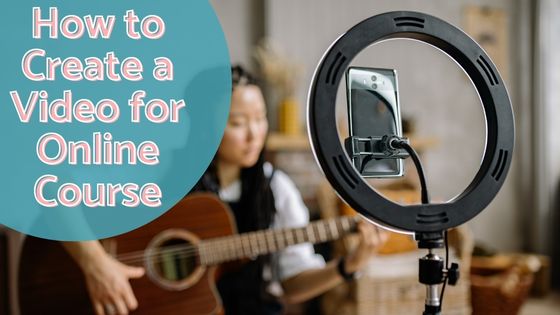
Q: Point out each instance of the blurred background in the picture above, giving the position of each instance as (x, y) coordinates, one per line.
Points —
(440, 107)
(509, 254)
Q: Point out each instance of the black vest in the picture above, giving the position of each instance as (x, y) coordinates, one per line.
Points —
(243, 292)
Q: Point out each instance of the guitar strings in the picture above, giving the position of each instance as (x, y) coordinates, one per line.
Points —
(186, 251)
(229, 251)
(210, 245)
(191, 250)
(180, 251)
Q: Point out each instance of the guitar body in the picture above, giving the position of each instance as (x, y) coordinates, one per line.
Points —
(50, 282)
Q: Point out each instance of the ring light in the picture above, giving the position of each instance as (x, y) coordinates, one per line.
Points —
(332, 158)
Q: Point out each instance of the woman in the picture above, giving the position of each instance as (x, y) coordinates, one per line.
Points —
(260, 198)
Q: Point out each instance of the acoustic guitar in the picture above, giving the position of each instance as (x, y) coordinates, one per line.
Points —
(182, 252)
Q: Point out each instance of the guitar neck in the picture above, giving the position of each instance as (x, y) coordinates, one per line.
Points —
(252, 244)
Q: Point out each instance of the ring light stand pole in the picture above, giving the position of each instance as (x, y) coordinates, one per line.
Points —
(431, 271)
(428, 221)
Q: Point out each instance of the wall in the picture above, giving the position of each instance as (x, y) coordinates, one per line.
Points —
(546, 218)
(242, 23)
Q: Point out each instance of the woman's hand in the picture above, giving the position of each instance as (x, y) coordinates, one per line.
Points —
(108, 286)
(310, 283)
(371, 237)
(106, 278)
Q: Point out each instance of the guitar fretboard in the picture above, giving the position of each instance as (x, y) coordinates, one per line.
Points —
(252, 244)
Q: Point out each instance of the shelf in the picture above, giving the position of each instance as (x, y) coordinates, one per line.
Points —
(279, 142)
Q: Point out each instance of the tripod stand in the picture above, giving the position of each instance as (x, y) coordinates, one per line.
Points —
(431, 271)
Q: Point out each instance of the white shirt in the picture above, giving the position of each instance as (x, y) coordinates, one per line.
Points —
(291, 212)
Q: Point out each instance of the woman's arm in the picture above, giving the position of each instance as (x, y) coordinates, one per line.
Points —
(106, 278)
(311, 283)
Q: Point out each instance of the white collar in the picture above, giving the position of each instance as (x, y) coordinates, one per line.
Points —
(233, 191)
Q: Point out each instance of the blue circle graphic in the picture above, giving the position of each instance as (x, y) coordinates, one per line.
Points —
(111, 112)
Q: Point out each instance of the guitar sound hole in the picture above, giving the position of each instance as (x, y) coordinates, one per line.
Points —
(174, 261)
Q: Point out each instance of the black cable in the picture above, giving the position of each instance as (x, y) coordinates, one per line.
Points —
(420, 170)
(446, 267)
(425, 200)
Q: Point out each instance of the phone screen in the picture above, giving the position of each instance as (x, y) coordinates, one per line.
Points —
(374, 111)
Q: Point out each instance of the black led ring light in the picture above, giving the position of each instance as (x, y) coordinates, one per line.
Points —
(332, 156)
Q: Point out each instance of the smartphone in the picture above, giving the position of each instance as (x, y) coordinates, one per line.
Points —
(374, 111)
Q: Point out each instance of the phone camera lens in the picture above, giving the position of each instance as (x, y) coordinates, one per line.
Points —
(373, 78)
(374, 86)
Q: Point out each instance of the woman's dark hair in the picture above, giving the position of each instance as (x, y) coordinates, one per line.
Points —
(244, 291)
(256, 202)
(241, 77)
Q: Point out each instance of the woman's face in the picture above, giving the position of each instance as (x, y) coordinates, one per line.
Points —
(246, 128)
